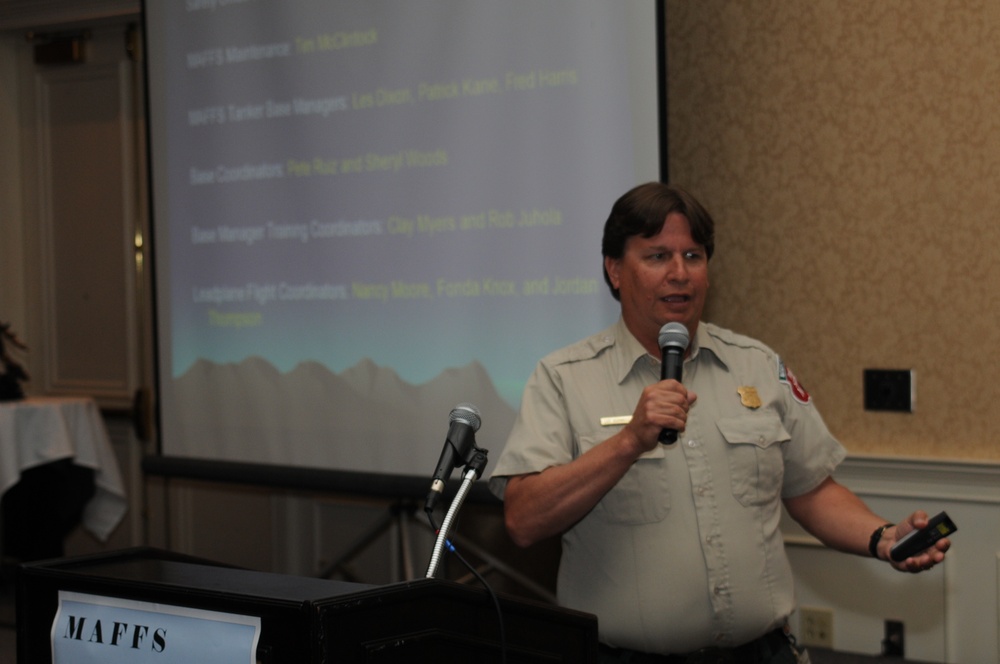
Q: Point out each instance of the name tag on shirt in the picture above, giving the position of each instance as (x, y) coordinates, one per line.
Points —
(615, 420)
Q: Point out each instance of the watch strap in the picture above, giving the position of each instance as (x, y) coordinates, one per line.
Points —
(876, 538)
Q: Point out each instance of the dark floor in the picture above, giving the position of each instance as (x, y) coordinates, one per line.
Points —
(823, 656)
(8, 652)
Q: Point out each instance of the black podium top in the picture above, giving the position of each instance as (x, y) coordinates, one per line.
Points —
(147, 567)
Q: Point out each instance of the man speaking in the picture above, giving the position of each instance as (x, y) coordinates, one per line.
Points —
(676, 547)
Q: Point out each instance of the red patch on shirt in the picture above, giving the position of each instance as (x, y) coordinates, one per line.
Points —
(786, 376)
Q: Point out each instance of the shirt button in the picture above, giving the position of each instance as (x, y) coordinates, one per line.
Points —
(760, 439)
(692, 443)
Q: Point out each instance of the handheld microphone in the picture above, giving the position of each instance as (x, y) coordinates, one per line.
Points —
(673, 340)
(459, 447)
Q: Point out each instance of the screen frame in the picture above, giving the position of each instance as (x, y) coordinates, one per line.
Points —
(359, 483)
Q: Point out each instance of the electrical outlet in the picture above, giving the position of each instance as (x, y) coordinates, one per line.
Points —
(816, 627)
(890, 389)
(894, 643)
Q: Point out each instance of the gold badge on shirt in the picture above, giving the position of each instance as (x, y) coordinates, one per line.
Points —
(749, 396)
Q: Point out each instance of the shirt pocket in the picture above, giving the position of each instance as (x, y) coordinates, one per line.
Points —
(756, 465)
(642, 495)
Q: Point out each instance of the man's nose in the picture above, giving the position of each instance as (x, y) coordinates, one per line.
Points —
(677, 269)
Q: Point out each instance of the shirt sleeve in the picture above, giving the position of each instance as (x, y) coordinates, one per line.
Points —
(813, 453)
(541, 436)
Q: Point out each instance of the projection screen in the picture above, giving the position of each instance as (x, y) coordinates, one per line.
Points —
(366, 213)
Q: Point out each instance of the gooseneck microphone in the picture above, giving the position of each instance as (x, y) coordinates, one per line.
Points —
(673, 340)
(459, 448)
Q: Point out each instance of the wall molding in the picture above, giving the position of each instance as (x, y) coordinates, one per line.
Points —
(939, 479)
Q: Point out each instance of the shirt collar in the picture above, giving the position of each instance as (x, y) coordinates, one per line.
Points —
(629, 351)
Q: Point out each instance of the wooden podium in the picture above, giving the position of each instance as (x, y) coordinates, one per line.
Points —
(313, 621)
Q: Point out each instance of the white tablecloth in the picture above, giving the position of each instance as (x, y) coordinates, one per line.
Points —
(40, 430)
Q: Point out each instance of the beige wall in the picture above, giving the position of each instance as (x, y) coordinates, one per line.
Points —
(850, 153)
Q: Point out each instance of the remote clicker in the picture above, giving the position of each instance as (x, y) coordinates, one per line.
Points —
(917, 540)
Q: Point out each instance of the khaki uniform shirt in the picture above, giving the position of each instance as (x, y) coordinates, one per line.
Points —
(685, 551)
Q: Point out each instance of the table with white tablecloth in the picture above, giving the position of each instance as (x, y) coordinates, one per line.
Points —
(49, 432)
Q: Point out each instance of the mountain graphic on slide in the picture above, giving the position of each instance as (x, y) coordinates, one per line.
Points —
(366, 418)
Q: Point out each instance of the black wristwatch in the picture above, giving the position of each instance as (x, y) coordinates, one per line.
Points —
(876, 538)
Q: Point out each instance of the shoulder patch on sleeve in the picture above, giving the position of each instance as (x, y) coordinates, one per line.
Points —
(786, 376)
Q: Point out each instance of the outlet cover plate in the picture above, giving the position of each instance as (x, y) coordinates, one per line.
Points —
(816, 627)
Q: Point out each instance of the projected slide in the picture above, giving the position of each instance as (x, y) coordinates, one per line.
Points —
(366, 213)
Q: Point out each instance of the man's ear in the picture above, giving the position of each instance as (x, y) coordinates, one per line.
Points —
(613, 267)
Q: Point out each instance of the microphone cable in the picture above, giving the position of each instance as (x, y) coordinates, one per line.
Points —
(493, 596)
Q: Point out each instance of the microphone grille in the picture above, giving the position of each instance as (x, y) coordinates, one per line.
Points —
(674, 335)
(467, 413)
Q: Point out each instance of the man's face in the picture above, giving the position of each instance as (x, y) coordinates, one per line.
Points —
(661, 279)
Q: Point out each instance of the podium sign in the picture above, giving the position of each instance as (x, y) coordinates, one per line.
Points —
(91, 629)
